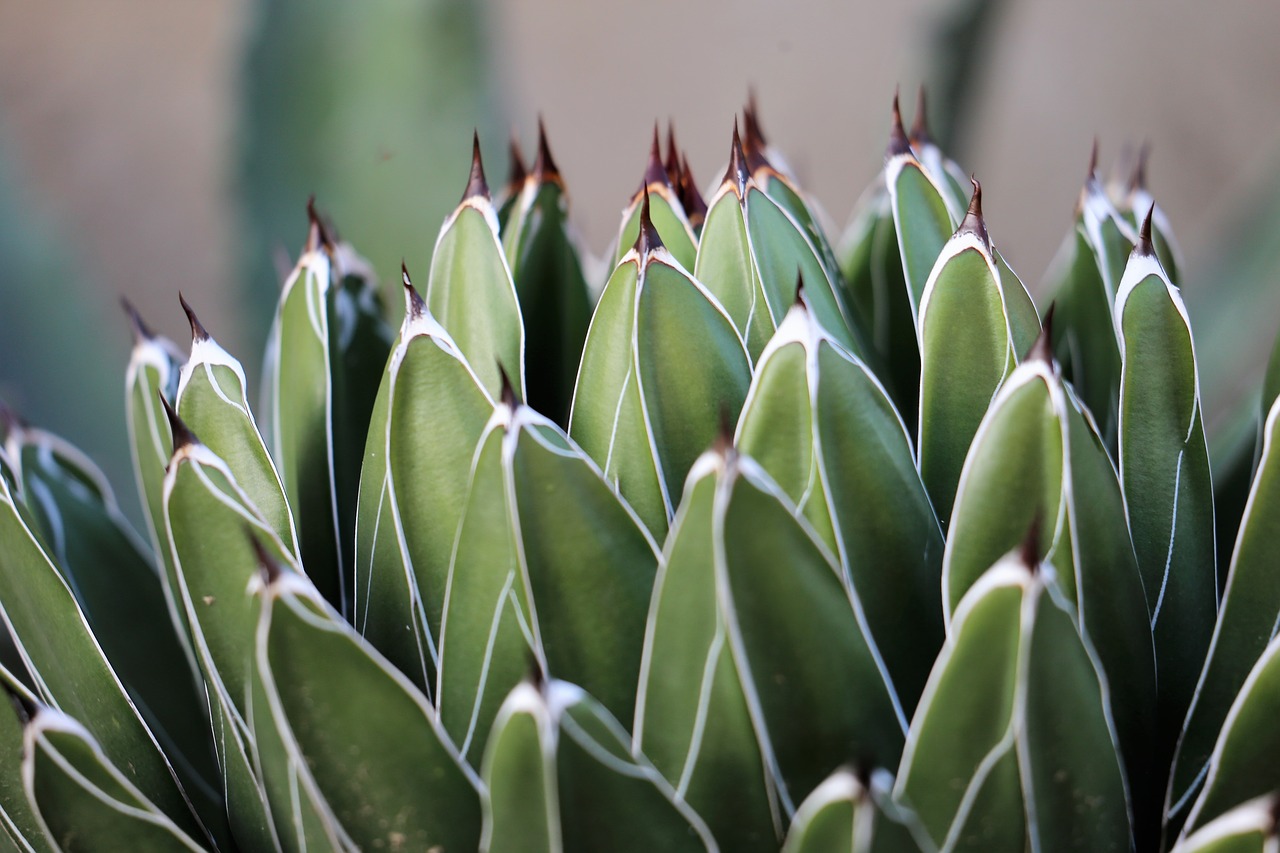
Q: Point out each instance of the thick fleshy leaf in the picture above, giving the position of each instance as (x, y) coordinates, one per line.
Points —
(1031, 756)
(692, 718)
(1246, 623)
(822, 426)
(816, 685)
(661, 363)
(844, 815)
(82, 799)
(471, 291)
(876, 292)
(974, 326)
(561, 779)
(18, 821)
(547, 557)
(920, 215)
(1164, 470)
(666, 212)
(1243, 764)
(122, 596)
(1085, 279)
(1248, 828)
(1038, 456)
(328, 345)
(418, 459)
(546, 263)
(68, 664)
(339, 700)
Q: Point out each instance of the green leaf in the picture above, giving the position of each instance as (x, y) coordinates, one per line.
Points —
(420, 448)
(1248, 828)
(661, 362)
(62, 655)
(1246, 622)
(561, 778)
(844, 814)
(920, 216)
(818, 421)
(471, 291)
(692, 718)
(548, 556)
(83, 801)
(1243, 764)
(18, 820)
(1164, 471)
(546, 263)
(968, 317)
(876, 292)
(122, 596)
(665, 212)
(339, 700)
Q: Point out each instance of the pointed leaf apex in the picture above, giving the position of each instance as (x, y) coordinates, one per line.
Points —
(544, 165)
(269, 568)
(899, 144)
(416, 306)
(801, 301)
(141, 331)
(973, 223)
(534, 674)
(654, 171)
(751, 122)
(198, 332)
(1042, 348)
(1029, 550)
(648, 240)
(695, 206)
(22, 706)
(737, 172)
(1138, 180)
(508, 396)
(672, 161)
(1093, 161)
(477, 187)
(920, 125)
(516, 171)
(318, 237)
(182, 434)
(1144, 246)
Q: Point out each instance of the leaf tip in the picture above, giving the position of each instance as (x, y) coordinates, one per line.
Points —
(655, 172)
(270, 569)
(508, 395)
(414, 304)
(516, 171)
(899, 144)
(1029, 549)
(648, 240)
(695, 206)
(737, 173)
(544, 165)
(477, 187)
(198, 331)
(973, 223)
(141, 331)
(920, 126)
(1042, 348)
(723, 444)
(672, 160)
(182, 434)
(318, 236)
(1138, 178)
(1145, 247)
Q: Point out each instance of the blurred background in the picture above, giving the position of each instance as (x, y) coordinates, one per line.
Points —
(152, 146)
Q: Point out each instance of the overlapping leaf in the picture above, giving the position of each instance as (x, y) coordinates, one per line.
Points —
(848, 814)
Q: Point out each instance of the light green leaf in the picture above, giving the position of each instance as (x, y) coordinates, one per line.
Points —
(1246, 622)
(1243, 764)
(546, 263)
(67, 663)
(1248, 828)
(339, 700)
(1164, 471)
(18, 820)
(661, 363)
(561, 778)
(844, 815)
(471, 291)
(920, 215)
(823, 427)
(968, 316)
(666, 213)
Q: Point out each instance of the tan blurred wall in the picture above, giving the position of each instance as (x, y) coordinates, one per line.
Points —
(121, 112)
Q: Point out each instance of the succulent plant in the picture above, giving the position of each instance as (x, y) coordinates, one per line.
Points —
(764, 541)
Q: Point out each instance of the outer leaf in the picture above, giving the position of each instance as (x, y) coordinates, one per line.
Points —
(661, 362)
(122, 596)
(62, 655)
(1164, 470)
(823, 427)
(667, 214)
(433, 413)
(546, 263)
(471, 291)
(83, 801)
(920, 215)
(560, 778)
(18, 821)
(1242, 766)
(973, 329)
(1246, 622)
(842, 814)
(338, 700)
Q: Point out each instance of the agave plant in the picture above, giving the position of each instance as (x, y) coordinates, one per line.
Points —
(765, 541)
